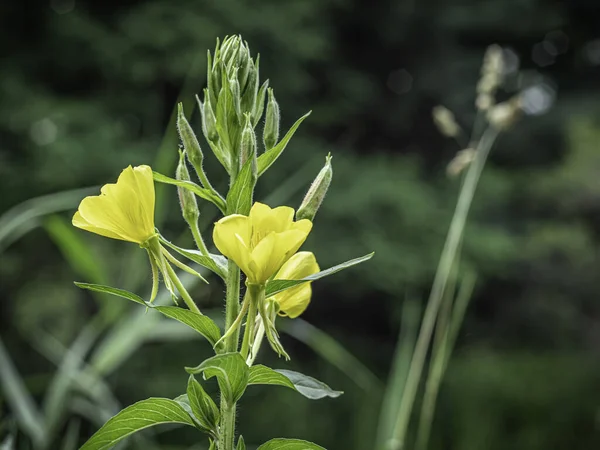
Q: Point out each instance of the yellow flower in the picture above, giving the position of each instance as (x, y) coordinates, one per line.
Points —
(261, 242)
(124, 210)
(292, 302)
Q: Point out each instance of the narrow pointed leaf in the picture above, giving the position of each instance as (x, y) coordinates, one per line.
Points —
(214, 263)
(275, 286)
(241, 445)
(267, 158)
(303, 384)
(202, 324)
(239, 198)
(289, 444)
(143, 414)
(231, 372)
(201, 192)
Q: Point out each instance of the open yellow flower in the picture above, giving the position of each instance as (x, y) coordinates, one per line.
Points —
(292, 302)
(124, 210)
(261, 242)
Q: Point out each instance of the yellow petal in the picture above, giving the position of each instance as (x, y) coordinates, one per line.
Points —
(80, 222)
(124, 210)
(303, 225)
(274, 250)
(299, 266)
(294, 301)
(231, 236)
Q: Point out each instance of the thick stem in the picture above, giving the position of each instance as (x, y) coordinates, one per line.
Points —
(232, 306)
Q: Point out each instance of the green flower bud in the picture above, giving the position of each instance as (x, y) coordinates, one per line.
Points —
(259, 105)
(248, 144)
(271, 131)
(250, 88)
(234, 87)
(316, 193)
(209, 121)
(187, 199)
(190, 142)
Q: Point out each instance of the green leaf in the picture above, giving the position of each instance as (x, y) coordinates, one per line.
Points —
(214, 263)
(231, 372)
(303, 384)
(289, 444)
(241, 445)
(203, 407)
(201, 192)
(275, 286)
(202, 324)
(239, 198)
(113, 291)
(143, 414)
(267, 158)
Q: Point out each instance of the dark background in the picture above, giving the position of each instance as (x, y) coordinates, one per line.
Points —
(88, 87)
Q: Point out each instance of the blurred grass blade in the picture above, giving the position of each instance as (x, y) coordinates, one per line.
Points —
(333, 352)
(450, 321)
(447, 259)
(86, 381)
(74, 250)
(21, 218)
(20, 400)
(60, 388)
(409, 327)
(70, 441)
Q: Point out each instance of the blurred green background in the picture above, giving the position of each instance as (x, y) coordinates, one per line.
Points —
(88, 87)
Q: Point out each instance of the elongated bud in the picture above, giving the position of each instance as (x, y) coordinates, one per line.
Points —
(209, 121)
(504, 115)
(190, 142)
(187, 199)
(234, 87)
(316, 193)
(460, 162)
(259, 105)
(248, 144)
(271, 131)
(444, 119)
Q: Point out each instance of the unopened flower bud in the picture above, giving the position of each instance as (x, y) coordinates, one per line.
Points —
(503, 115)
(209, 121)
(259, 105)
(271, 131)
(445, 122)
(187, 199)
(234, 88)
(190, 142)
(248, 144)
(316, 193)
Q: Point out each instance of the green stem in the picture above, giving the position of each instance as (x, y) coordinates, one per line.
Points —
(182, 290)
(198, 237)
(248, 340)
(447, 258)
(232, 306)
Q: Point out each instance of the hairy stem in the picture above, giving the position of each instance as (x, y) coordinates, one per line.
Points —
(198, 237)
(182, 290)
(248, 340)
(232, 306)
